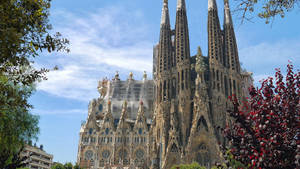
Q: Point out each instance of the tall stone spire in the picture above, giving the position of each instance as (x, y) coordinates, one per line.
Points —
(181, 33)
(231, 50)
(215, 49)
(183, 65)
(227, 14)
(164, 68)
(182, 46)
(165, 42)
(164, 55)
(165, 19)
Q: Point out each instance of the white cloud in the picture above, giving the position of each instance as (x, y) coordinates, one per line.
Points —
(70, 82)
(101, 42)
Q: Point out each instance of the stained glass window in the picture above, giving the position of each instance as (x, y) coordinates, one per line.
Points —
(105, 154)
(89, 155)
(139, 153)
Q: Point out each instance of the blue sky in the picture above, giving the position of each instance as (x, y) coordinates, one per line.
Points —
(110, 35)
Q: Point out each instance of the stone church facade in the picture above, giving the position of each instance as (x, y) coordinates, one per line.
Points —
(171, 119)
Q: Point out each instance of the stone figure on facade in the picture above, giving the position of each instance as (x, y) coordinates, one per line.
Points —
(102, 87)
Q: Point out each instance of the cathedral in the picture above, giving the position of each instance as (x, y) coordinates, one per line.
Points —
(172, 118)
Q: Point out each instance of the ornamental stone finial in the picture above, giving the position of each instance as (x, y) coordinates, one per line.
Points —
(102, 87)
(141, 108)
(117, 75)
(130, 76)
(165, 14)
(109, 106)
(212, 4)
(181, 4)
(125, 104)
(145, 75)
(227, 17)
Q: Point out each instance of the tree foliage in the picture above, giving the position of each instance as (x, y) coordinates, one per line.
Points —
(65, 166)
(268, 9)
(58, 166)
(68, 166)
(17, 125)
(265, 130)
(25, 32)
(188, 166)
(14, 161)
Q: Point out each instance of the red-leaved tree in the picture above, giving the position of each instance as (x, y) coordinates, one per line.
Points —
(265, 131)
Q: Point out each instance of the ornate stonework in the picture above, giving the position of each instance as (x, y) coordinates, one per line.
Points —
(171, 119)
(116, 133)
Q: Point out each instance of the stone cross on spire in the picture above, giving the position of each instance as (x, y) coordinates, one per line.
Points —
(181, 4)
(165, 14)
(227, 15)
(212, 4)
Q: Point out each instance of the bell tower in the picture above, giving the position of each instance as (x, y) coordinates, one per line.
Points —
(183, 65)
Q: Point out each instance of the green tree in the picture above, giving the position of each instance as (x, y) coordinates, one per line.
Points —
(68, 165)
(188, 166)
(268, 9)
(229, 162)
(24, 34)
(65, 166)
(76, 166)
(58, 166)
(17, 125)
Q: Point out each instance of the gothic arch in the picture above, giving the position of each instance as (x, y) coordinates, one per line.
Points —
(105, 154)
(174, 148)
(202, 123)
(123, 155)
(89, 154)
